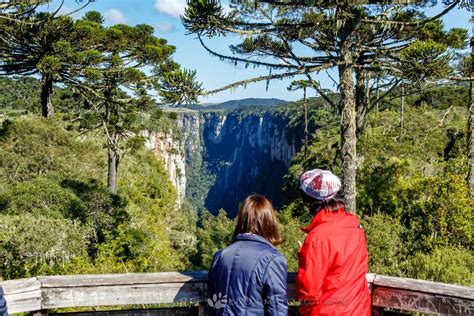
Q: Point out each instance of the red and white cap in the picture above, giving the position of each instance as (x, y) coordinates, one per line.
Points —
(320, 184)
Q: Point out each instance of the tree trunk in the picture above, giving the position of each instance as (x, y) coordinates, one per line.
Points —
(470, 132)
(361, 100)
(111, 122)
(305, 122)
(348, 133)
(47, 109)
(402, 112)
(113, 163)
(377, 96)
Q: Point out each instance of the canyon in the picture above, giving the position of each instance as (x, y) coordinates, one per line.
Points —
(221, 155)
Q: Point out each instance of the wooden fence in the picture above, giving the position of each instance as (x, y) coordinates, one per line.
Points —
(42, 294)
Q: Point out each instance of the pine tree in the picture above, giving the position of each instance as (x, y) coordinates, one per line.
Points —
(53, 47)
(129, 64)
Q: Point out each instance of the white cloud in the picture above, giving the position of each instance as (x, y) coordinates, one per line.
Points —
(114, 16)
(171, 7)
(165, 27)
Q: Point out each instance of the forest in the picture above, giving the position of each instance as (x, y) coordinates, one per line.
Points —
(79, 192)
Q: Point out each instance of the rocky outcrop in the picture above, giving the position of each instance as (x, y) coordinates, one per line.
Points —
(171, 152)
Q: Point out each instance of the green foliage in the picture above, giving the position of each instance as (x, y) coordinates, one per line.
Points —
(180, 87)
(424, 60)
(57, 216)
(415, 178)
(444, 264)
(203, 16)
(215, 233)
(38, 245)
(290, 228)
(34, 146)
(20, 93)
(161, 235)
(385, 244)
(455, 37)
(42, 196)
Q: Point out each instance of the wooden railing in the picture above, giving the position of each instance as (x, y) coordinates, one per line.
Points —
(40, 294)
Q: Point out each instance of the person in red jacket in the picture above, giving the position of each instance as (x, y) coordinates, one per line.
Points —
(333, 259)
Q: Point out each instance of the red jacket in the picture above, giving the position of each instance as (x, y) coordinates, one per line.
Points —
(333, 264)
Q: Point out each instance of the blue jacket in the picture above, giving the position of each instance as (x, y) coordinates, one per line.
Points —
(247, 278)
(3, 304)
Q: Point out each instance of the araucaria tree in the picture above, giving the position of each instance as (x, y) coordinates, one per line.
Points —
(129, 64)
(40, 43)
(364, 42)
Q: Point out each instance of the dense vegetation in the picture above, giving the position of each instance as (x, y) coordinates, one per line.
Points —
(56, 214)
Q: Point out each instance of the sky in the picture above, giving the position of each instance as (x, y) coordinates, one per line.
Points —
(163, 15)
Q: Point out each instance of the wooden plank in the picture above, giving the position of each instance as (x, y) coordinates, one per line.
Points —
(292, 287)
(20, 285)
(123, 295)
(174, 311)
(421, 302)
(23, 302)
(22, 295)
(121, 279)
(173, 287)
(370, 277)
(425, 286)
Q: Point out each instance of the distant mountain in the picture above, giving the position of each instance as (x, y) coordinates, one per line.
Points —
(235, 104)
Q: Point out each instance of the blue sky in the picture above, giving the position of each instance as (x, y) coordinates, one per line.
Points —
(163, 15)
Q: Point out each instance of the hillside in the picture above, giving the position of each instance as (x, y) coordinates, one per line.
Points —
(243, 104)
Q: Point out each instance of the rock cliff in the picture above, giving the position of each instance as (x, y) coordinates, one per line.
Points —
(222, 156)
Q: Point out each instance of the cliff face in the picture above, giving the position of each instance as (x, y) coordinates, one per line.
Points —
(169, 149)
(224, 156)
(246, 153)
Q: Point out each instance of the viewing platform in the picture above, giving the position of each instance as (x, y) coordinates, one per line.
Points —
(183, 293)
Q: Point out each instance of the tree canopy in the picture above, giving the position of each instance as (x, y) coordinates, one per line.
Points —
(120, 71)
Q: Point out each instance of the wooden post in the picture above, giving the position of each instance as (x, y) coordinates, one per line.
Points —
(42, 312)
(202, 309)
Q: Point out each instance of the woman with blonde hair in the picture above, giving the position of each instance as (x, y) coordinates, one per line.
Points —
(249, 276)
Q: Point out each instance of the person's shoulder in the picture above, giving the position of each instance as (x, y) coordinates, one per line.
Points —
(318, 236)
(272, 254)
(217, 255)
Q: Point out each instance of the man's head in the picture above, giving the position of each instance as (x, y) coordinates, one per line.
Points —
(319, 190)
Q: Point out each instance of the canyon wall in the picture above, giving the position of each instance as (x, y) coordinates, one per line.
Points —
(222, 156)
